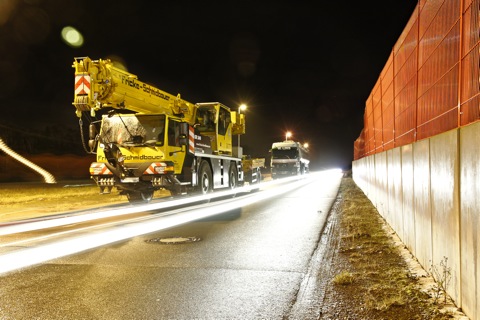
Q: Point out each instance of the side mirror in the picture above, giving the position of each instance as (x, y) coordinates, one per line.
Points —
(92, 131)
(92, 137)
(92, 144)
(184, 132)
(183, 139)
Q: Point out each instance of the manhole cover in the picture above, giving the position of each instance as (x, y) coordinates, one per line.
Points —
(173, 240)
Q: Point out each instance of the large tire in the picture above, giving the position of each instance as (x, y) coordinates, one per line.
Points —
(232, 177)
(205, 178)
(136, 197)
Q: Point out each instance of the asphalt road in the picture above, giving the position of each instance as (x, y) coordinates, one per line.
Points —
(249, 263)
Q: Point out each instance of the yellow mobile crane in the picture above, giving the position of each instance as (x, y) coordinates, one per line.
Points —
(148, 139)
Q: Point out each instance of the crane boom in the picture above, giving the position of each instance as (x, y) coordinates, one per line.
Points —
(99, 84)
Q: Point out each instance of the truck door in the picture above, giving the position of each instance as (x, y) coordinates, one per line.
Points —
(175, 150)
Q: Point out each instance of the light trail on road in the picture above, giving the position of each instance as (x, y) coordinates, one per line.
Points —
(61, 220)
(86, 239)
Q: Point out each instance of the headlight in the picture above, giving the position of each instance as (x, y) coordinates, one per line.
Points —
(162, 168)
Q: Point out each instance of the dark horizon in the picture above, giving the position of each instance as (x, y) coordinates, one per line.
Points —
(302, 68)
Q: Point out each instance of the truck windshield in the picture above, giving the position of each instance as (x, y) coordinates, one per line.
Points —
(134, 129)
(284, 153)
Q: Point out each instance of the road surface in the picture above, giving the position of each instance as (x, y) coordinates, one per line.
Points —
(248, 263)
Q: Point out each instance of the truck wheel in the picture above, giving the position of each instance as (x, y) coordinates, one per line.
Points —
(205, 180)
(140, 197)
(232, 177)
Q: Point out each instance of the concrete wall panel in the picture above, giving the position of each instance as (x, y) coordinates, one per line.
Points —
(395, 206)
(445, 206)
(408, 198)
(371, 179)
(470, 219)
(422, 208)
(362, 177)
(356, 169)
(390, 213)
(381, 191)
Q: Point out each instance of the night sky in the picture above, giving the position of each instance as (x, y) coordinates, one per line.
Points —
(303, 66)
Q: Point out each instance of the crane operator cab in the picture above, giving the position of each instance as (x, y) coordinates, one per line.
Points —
(205, 120)
(213, 120)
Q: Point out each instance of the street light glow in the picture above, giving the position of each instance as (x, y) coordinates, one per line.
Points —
(288, 135)
(243, 107)
(72, 37)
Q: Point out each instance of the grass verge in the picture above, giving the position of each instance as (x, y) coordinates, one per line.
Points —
(371, 278)
(24, 201)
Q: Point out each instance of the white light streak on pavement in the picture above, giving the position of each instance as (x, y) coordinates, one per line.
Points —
(25, 257)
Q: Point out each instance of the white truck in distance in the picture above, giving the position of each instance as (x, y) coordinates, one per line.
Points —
(288, 158)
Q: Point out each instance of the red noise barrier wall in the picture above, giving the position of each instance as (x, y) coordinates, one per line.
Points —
(430, 83)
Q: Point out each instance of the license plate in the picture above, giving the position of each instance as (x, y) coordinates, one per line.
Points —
(131, 180)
